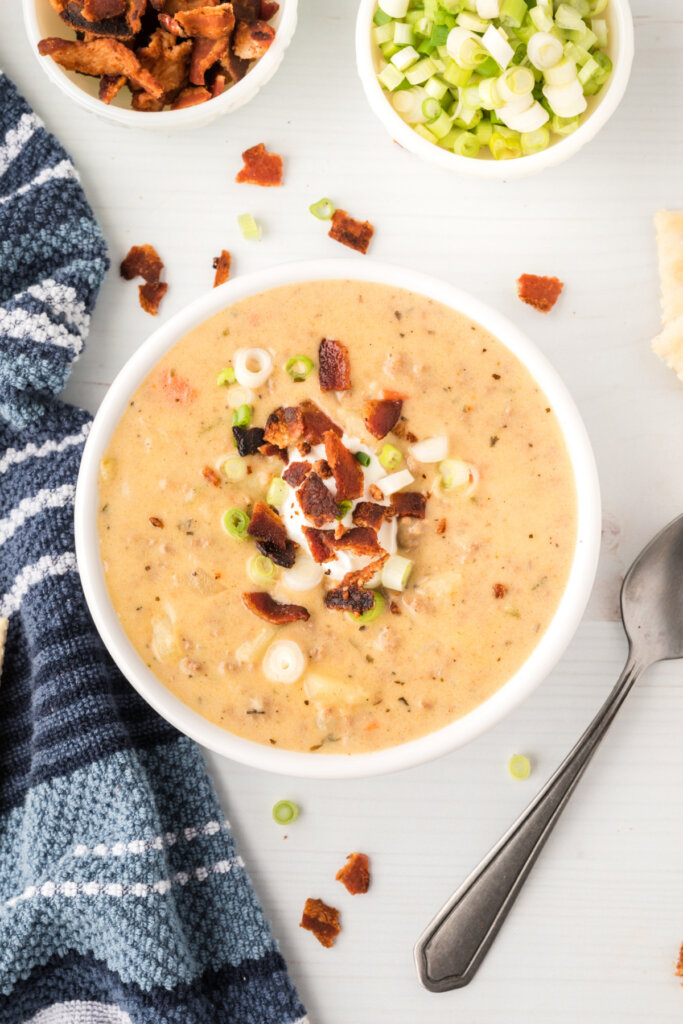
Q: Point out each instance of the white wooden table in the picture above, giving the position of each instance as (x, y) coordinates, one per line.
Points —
(596, 930)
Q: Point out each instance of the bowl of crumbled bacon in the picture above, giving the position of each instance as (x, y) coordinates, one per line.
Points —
(160, 63)
(336, 518)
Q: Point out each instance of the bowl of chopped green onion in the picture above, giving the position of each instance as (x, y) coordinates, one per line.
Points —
(494, 88)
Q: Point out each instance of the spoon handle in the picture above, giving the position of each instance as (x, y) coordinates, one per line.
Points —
(450, 951)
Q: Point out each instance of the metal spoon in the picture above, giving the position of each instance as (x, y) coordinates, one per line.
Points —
(450, 951)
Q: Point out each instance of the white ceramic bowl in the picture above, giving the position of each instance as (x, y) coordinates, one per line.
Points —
(600, 107)
(533, 671)
(41, 20)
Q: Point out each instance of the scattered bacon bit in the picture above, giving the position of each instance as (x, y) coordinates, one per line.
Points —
(110, 86)
(262, 604)
(221, 265)
(441, 526)
(218, 87)
(361, 576)
(208, 22)
(151, 294)
(355, 874)
(142, 261)
(348, 472)
(266, 525)
(296, 472)
(171, 25)
(334, 370)
(284, 558)
(317, 503)
(252, 40)
(350, 599)
(362, 540)
(679, 965)
(322, 920)
(169, 62)
(376, 493)
(211, 476)
(249, 439)
(284, 426)
(316, 423)
(190, 97)
(245, 10)
(136, 9)
(321, 543)
(260, 167)
(303, 447)
(322, 468)
(499, 590)
(394, 396)
(205, 53)
(235, 67)
(381, 415)
(394, 608)
(409, 503)
(100, 57)
(268, 9)
(272, 449)
(155, 521)
(97, 10)
(366, 513)
(354, 233)
(71, 13)
(177, 388)
(540, 292)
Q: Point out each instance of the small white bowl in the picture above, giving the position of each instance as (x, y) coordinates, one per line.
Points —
(600, 107)
(327, 766)
(41, 20)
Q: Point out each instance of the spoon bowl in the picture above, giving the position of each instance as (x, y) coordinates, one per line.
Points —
(652, 598)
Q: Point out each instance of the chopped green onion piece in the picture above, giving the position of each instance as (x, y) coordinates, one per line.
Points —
(344, 508)
(241, 417)
(372, 613)
(513, 12)
(403, 33)
(323, 209)
(519, 766)
(421, 71)
(284, 811)
(235, 523)
(503, 148)
(226, 376)
(391, 78)
(277, 492)
(383, 33)
(299, 367)
(390, 457)
(234, 468)
(395, 572)
(467, 145)
(454, 473)
(489, 68)
(260, 569)
(251, 231)
(380, 17)
(363, 458)
(431, 108)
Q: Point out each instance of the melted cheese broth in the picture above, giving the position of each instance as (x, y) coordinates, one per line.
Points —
(450, 642)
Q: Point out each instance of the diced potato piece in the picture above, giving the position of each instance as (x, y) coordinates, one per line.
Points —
(331, 690)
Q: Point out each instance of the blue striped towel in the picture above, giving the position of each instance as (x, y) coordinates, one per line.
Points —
(122, 897)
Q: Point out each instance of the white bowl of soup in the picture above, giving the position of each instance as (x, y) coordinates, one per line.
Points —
(336, 519)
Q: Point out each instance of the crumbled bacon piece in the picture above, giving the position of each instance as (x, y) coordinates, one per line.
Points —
(679, 965)
(322, 468)
(100, 57)
(97, 10)
(272, 449)
(262, 604)
(171, 25)
(221, 265)
(260, 167)
(110, 86)
(235, 67)
(246, 10)
(316, 423)
(119, 27)
(353, 599)
(205, 53)
(296, 472)
(377, 494)
(284, 426)
(284, 558)
(362, 540)
(169, 62)
(211, 476)
(266, 525)
(361, 576)
(355, 874)
(381, 415)
(208, 22)
(441, 527)
(268, 9)
(322, 920)
(334, 369)
(499, 590)
(317, 503)
(190, 97)
(321, 543)
(142, 261)
(367, 513)
(411, 504)
(252, 39)
(155, 521)
(540, 292)
(354, 233)
(151, 294)
(249, 439)
(217, 88)
(347, 470)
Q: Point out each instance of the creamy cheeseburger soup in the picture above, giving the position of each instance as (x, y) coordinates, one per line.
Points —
(336, 516)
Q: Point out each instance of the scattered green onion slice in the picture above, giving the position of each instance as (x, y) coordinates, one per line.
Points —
(299, 367)
(251, 231)
(395, 572)
(241, 416)
(324, 209)
(363, 458)
(260, 569)
(235, 523)
(390, 458)
(519, 766)
(277, 492)
(372, 613)
(285, 812)
(344, 508)
(234, 468)
(226, 376)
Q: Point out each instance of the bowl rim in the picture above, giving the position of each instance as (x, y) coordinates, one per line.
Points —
(231, 99)
(556, 153)
(451, 736)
